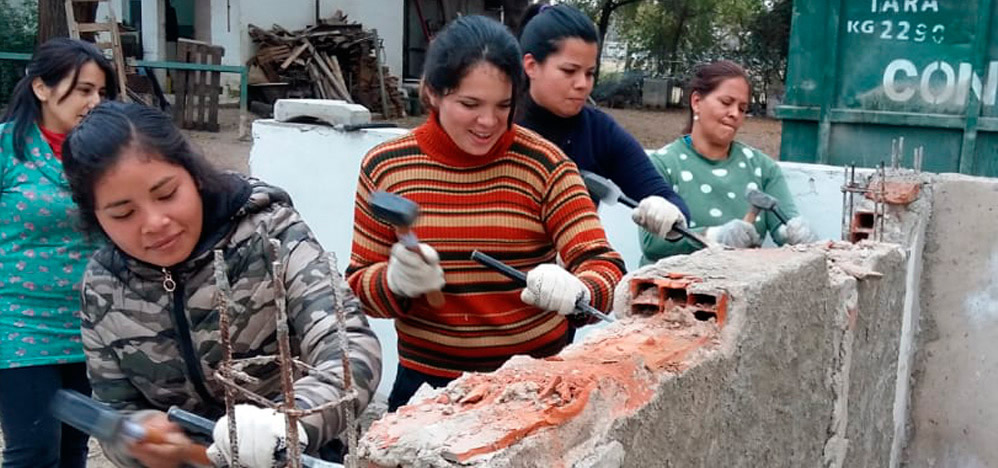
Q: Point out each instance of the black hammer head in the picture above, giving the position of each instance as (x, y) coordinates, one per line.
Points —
(393, 209)
(760, 199)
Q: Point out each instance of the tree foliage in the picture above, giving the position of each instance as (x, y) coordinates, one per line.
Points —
(766, 52)
(667, 38)
(602, 13)
(18, 28)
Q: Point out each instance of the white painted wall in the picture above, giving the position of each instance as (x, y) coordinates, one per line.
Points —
(384, 15)
(154, 29)
(227, 31)
(202, 20)
(319, 167)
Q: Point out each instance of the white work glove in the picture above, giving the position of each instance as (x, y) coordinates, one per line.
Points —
(262, 438)
(658, 216)
(735, 233)
(411, 276)
(551, 287)
(796, 231)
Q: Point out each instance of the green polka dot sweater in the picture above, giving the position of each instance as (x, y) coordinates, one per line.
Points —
(715, 191)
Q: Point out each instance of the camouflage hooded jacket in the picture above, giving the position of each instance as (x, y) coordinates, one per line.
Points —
(148, 347)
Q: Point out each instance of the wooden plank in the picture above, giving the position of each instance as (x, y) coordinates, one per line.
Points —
(93, 27)
(294, 55)
(214, 90)
(202, 90)
(323, 66)
(74, 31)
(338, 83)
(195, 102)
(119, 58)
(180, 88)
(320, 92)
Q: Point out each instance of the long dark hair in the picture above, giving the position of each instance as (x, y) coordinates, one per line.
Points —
(544, 27)
(96, 144)
(54, 60)
(708, 77)
(468, 41)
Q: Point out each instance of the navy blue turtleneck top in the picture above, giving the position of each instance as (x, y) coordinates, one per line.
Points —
(598, 144)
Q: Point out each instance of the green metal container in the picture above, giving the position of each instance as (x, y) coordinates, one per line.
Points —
(863, 73)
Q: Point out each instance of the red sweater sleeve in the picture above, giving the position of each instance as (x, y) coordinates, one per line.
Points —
(372, 244)
(570, 216)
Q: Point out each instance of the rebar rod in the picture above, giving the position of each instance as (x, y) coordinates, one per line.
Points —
(223, 302)
(284, 350)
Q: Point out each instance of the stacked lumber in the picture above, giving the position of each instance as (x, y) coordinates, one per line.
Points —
(335, 59)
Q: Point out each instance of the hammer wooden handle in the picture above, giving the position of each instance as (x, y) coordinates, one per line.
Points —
(408, 239)
(194, 453)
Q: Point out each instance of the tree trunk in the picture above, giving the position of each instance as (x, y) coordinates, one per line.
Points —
(682, 16)
(52, 18)
(601, 27)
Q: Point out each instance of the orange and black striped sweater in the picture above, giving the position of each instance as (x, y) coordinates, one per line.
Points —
(523, 203)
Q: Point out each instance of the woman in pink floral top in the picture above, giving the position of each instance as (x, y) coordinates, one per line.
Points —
(42, 256)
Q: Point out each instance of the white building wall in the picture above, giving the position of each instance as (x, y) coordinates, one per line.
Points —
(227, 31)
(384, 15)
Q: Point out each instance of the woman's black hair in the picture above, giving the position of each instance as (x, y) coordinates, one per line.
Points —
(544, 27)
(466, 42)
(54, 60)
(96, 144)
(708, 76)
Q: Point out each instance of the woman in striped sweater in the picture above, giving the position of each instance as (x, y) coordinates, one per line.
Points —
(481, 183)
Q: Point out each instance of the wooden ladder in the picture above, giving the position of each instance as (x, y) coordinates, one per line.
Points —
(117, 57)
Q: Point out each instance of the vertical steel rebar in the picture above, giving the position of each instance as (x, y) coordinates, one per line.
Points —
(350, 460)
(894, 153)
(900, 154)
(223, 302)
(881, 206)
(286, 363)
(844, 222)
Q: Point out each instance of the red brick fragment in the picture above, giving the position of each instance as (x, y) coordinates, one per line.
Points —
(895, 192)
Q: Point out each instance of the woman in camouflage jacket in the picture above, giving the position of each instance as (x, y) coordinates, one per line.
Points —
(150, 327)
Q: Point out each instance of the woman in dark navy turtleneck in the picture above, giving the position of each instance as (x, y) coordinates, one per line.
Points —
(560, 48)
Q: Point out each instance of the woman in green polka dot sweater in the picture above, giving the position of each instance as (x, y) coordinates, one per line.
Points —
(712, 171)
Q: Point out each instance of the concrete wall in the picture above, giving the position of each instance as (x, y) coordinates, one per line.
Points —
(796, 376)
(319, 166)
(954, 403)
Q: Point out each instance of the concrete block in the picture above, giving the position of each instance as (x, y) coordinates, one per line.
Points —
(776, 382)
(332, 112)
(954, 405)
